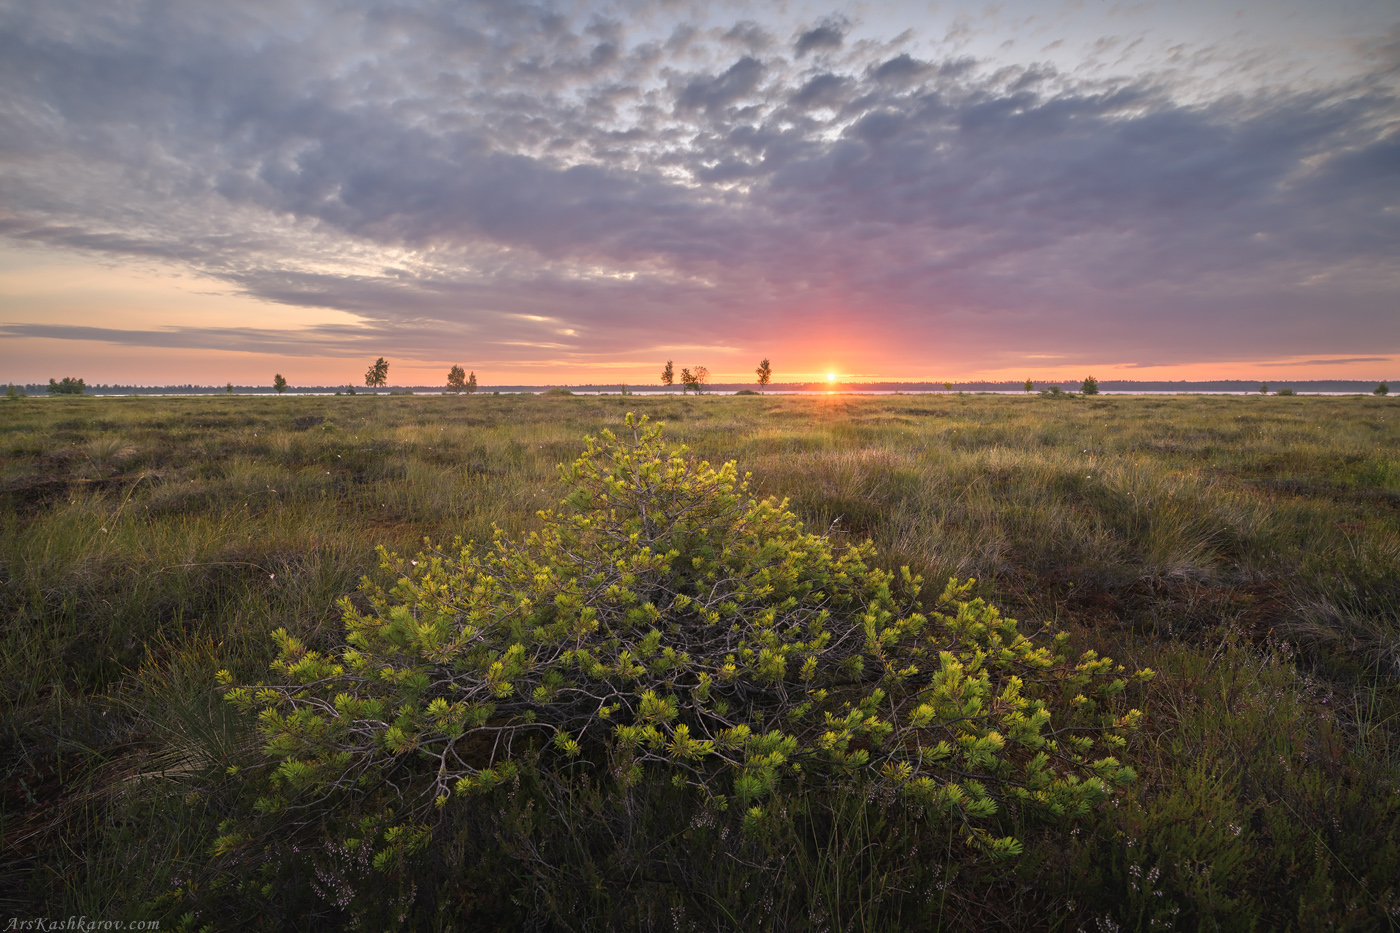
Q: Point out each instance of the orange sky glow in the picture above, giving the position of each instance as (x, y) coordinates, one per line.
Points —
(842, 348)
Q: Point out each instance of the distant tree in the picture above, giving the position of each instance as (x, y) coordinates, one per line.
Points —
(668, 375)
(1090, 386)
(14, 391)
(69, 386)
(1029, 386)
(471, 382)
(1263, 388)
(456, 379)
(698, 378)
(765, 373)
(1285, 391)
(1381, 389)
(229, 388)
(948, 386)
(279, 383)
(686, 380)
(378, 375)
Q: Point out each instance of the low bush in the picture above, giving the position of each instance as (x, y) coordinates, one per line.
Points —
(664, 629)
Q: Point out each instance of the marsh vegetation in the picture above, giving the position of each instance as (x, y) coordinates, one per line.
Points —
(1246, 549)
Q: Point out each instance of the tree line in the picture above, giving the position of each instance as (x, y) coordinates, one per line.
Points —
(691, 378)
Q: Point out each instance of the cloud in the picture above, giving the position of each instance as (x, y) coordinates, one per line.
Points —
(712, 93)
(440, 170)
(901, 69)
(829, 34)
(185, 338)
(821, 91)
(1329, 362)
(750, 35)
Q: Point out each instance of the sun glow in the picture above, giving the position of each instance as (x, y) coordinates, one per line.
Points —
(830, 377)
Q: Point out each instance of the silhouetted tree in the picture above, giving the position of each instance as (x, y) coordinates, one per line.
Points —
(695, 379)
(1263, 388)
(765, 373)
(279, 384)
(668, 375)
(1381, 389)
(456, 379)
(378, 374)
(1029, 386)
(471, 382)
(1090, 386)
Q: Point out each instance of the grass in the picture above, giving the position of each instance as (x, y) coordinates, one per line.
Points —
(1246, 548)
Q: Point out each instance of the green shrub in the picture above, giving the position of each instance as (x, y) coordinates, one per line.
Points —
(665, 624)
(1285, 391)
(1090, 386)
(557, 390)
(1381, 389)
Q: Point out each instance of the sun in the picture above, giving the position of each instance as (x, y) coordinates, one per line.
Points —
(830, 377)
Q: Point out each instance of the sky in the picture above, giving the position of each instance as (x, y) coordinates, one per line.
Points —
(567, 193)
